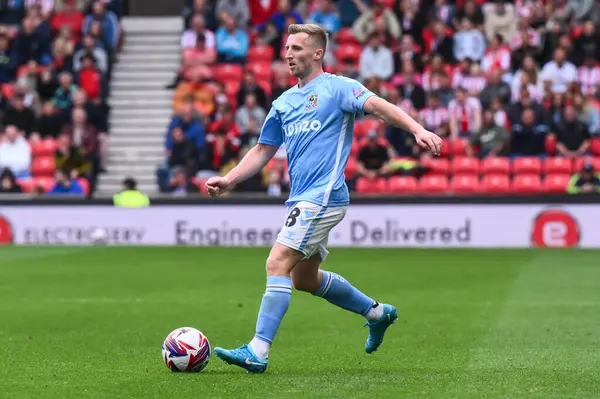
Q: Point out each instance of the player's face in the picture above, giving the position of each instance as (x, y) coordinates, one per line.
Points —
(300, 55)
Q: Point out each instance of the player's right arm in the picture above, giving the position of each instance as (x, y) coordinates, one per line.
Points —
(271, 138)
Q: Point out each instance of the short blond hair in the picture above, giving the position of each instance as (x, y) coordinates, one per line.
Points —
(314, 31)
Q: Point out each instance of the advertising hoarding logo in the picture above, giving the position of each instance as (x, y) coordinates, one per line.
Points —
(555, 228)
(6, 231)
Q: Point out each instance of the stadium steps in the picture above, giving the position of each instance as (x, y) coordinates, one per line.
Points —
(140, 104)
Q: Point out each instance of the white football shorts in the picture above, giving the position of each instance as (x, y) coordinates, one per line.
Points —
(307, 226)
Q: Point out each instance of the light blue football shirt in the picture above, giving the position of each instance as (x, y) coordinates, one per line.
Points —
(316, 123)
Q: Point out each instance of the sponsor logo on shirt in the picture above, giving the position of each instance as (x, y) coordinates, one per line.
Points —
(312, 101)
(358, 92)
(302, 127)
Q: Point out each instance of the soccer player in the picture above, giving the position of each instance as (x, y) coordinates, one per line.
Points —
(315, 120)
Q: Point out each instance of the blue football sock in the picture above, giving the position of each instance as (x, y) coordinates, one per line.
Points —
(275, 303)
(338, 291)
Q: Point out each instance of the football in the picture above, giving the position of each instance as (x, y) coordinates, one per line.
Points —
(186, 349)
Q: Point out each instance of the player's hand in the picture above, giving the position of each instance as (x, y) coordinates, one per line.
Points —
(217, 185)
(429, 141)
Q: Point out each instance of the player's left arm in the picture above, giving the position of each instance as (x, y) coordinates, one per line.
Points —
(395, 116)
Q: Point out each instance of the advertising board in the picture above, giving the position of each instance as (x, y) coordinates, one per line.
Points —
(382, 225)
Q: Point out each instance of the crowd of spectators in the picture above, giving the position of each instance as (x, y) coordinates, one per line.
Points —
(56, 58)
(512, 87)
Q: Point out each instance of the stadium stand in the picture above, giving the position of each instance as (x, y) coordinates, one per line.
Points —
(512, 87)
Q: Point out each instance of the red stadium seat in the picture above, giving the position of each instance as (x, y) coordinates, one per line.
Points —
(261, 70)
(232, 87)
(85, 185)
(436, 166)
(556, 183)
(369, 124)
(464, 184)
(368, 186)
(495, 165)
(459, 146)
(527, 165)
(579, 162)
(402, 185)
(351, 167)
(595, 146)
(345, 36)
(465, 165)
(228, 72)
(46, 183)
(527, 184)
(433, 184)
(495, 184)
(261, 53)
(266, 86)
(26, 185)
(446, 149)
(43, 166)
(42, 148)
(348, 51)
(557, 165)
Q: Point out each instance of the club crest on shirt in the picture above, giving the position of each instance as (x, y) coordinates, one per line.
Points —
(312, 101)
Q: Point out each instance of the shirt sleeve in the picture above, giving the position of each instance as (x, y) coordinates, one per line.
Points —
(271, 133)
(350, 94)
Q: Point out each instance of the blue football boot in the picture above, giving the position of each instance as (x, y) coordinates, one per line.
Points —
(377, 328)
(243, 357)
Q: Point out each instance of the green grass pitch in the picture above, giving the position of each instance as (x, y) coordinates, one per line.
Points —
(89, 323)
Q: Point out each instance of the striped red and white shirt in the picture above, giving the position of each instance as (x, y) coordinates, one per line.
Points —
(534, 93)
(473, 84)
(434, 117)
(498, 59)
(589, 79)
(535, 39)
(465, 113)
(430, 81)
(457, 78)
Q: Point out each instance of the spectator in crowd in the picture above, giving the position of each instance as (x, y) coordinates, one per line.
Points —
(500, 19)
(445, 92)
(72, 158)
(68, 17)
(82, 133)
(8, 183)
(525, 101)
(365, 25)
(408, 53)
(249, 136)
(572, 136)
(374, 158)
(63, 47)
(46, 84)
(63, 97)
(327, 15)
(434, 115)
(587, 44)
(189, 38)
(249, 86)
(586, 181)
(441, 42)
(469, 42)
(353, 10)
(465, 114)
(8, 60)
(21, 117)
(196, 91)
(191, 127)
(559, 72)
(494, 88)
(528, 136)
(90, 80)
(284, 14)
(30, 45)
(471, 11)
(474, 82)
(376, 60)
(222, 149)
(182, 151)
(65, 184)
(199, 60)
(108, 21)
(49, 123)
(492, 140)
(587, 113)
(250, 110)
(180, 185)
(237, 9)
(15, 153)
(232, 42)
(90, 46)
(589, 76)
(412, 91)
